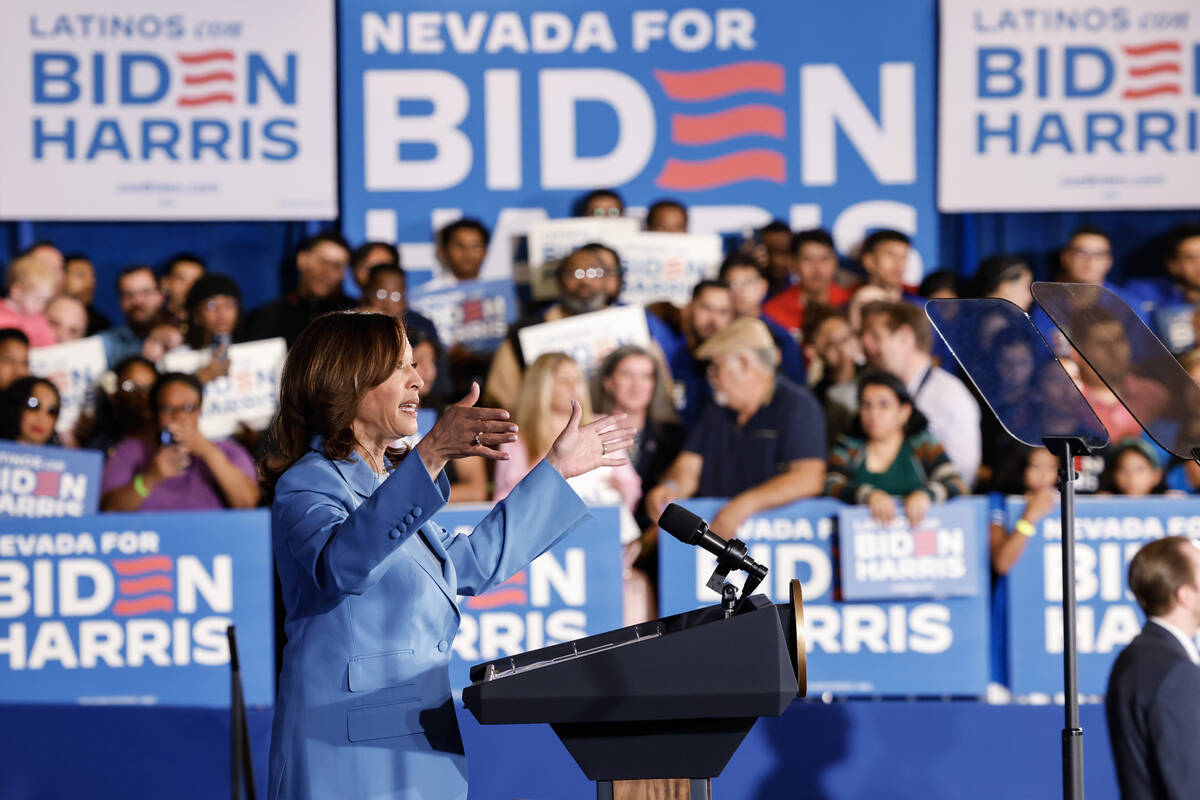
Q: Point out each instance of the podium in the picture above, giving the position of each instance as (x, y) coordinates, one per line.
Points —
(667, 701)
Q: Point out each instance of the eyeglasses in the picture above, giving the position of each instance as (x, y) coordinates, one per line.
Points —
(34, 404)
(215, 303)
(186, 408)
(590, 272)
(1097, 254)
(132, 387)
(611, 211)
(384, 294)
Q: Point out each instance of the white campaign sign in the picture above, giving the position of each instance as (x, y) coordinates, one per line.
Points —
(665, 266)
(587, 338)
(162, 109)
(553, 239)
(249, 394)
(75, 368)
(1066, 106)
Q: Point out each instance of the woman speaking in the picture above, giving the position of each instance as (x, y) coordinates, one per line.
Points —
(369, 580)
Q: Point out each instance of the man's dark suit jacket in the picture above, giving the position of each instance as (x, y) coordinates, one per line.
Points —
(1153, 709)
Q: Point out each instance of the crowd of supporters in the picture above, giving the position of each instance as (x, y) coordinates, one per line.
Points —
(795, 371)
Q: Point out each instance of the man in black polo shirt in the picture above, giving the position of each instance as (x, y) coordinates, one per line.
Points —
(760, 441)
(321, 264)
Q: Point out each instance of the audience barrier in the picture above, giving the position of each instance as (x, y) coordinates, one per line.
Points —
(1108, 531)
(133, 608)
(916, 646)
(48, 482)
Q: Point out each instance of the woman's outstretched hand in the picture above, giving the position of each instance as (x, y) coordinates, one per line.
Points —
(464, 430)
(582, 448)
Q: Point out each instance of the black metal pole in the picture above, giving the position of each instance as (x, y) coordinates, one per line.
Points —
(1072, 735)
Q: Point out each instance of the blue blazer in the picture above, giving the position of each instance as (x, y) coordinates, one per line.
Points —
(369, 584)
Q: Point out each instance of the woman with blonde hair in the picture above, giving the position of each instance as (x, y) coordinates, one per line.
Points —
(550, 388)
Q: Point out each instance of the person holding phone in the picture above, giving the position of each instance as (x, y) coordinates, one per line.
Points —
(180, 469)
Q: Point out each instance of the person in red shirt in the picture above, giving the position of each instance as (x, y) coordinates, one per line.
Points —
(815, 266)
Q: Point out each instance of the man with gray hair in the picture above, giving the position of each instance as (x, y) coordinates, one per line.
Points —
(760, 441)
(1153, 699)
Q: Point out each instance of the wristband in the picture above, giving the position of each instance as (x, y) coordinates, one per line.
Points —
(139, 486)
(1025, 527)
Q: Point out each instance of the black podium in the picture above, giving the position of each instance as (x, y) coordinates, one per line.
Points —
(667, 699)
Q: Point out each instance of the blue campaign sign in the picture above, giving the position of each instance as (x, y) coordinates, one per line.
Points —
(40, 482)
(475, 314)
(133, 608)
(1108, 532)
(939, 557)
(901, 647)
(571, 591)
(509, 112)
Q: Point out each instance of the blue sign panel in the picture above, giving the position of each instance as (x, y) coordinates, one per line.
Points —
(39, 482)
(571, 591)
(939, 557)
(510, 112)
(474, 314)
(1108, 532)
(133, 608)
(903, 647)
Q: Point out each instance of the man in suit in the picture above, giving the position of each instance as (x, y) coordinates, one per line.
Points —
(1153, 701)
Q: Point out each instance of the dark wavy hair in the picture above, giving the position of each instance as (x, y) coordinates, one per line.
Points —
(335, 361)
(13, 405)
(916, 420)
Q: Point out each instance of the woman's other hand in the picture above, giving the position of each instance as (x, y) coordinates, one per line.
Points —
(579, 449)
(882, 506)
(916, 506)
(464, 430)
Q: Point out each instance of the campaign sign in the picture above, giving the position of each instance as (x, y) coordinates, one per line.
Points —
(164, 109)
(76, 369)
(1053, 105)
(1107, 534)
(665, 266)
(899, 647)
(939, 557)
(552, 240)
(475, 314)
(570, 591)
(587, 338)
(247, 395)
(510, 111)
(1174, 326)
(133, 608)
(39, 482)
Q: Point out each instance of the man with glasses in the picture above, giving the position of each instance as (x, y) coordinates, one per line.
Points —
(141, 302)
(321, 265)
(588, 280)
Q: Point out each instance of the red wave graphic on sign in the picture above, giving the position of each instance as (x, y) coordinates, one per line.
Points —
(206, 56)
(710, 84)
(1152, 47)
(722, 171)
(154, 583)
(132, 608)
(136, 566)
(203, 100)
(752, 120)
(1166, 88)
(208, 77)
(498, 597)
(1142, 72)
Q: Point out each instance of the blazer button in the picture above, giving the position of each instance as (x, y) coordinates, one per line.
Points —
(416, 511)
(394, 533)
(408, 520)
(443, 646)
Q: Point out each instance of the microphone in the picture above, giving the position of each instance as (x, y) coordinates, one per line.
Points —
(691, 529)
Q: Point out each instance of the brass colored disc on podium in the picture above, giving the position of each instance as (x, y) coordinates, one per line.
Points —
(801, 645)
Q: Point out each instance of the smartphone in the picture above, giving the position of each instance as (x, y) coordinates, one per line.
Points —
(167, 438)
